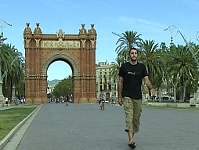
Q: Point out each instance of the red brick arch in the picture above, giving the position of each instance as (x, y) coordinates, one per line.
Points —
(78, 50)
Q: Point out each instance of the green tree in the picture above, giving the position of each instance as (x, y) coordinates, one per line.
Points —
(149, 57)
(63, 88)
(127, 40)
(116, 66)
(13, 66)
(183, 69)
(5, 55)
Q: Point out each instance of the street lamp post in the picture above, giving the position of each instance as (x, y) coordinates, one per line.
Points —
(2, 39)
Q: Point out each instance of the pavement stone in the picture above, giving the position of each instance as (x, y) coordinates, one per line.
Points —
(86, 127)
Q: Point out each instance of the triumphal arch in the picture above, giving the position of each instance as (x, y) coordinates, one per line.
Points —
(77, 50)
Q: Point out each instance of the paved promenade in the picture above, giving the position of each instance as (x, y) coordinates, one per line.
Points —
(86, 127)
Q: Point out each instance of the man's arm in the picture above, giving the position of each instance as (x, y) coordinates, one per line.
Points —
(120, 87)
(149, 85)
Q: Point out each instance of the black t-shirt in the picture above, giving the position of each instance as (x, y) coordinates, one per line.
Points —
(132, 76)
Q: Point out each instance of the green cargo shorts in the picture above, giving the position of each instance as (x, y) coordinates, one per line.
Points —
(133, 110)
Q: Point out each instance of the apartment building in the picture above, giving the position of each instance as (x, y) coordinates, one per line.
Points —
(104, 82)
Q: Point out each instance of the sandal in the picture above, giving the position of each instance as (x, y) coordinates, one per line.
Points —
(132, 145)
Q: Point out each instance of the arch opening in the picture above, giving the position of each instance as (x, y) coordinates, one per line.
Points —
(59, 72)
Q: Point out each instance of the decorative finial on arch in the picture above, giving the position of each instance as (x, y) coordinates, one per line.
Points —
(27, 24)
(37, 24)
(60, 34)
(92, 30)
(27, 30)
(37, 29)
(82, 30)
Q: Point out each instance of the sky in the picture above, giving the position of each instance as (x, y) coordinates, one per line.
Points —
(149, 18)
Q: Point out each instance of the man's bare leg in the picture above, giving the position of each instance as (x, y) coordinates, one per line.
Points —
(131, 136)
(131, 140)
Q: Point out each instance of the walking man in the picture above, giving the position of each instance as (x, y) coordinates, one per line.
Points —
(131, 75)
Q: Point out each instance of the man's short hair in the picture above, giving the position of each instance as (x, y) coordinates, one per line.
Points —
(133, 48)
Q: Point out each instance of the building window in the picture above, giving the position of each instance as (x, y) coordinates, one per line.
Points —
(101, 88)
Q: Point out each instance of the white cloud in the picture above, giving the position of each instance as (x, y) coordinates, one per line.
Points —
(154, 24)
(141, 22)
(104, 4)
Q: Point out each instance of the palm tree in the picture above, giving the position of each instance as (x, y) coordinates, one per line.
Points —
(149, 58)
(116, 66)
(127, 40)
(14, 70)
(161, 79)
(4, 59)
(183, 68)
(169, 80)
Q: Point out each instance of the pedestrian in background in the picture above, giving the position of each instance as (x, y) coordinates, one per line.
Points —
(67, 99)
(101, 100)
(6, 101)
(113, 99)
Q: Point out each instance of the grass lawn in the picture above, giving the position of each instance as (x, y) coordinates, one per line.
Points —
(9, 118)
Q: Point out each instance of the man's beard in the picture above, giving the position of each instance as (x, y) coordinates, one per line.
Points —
(133, 59)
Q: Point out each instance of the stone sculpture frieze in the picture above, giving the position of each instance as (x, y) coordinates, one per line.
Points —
(60, 44)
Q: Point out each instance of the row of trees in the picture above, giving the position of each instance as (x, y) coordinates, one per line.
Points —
(12, 70)
(172, 67)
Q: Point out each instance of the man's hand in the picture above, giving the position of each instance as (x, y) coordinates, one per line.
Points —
(152, 92)
(120, 102)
